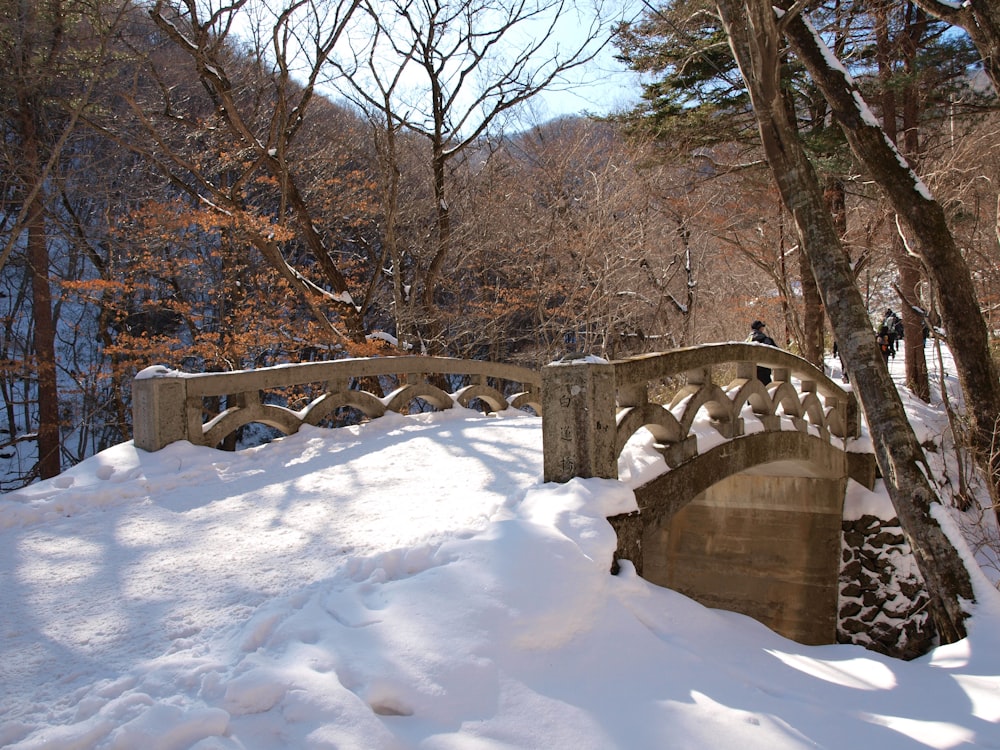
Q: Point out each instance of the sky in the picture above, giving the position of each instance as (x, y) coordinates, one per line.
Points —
(605, 86)
(412, 583)
(602, 86)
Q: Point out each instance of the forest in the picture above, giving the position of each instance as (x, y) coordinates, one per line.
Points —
(219, 186)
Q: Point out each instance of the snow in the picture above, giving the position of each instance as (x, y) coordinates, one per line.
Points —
(411, 583)
(860, 502)
(158, 371)
(579, 359)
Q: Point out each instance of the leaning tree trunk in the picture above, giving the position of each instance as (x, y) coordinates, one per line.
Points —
(755, 42)
(967, 334)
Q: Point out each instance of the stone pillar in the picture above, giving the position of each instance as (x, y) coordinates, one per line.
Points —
(158, 406)
(853, 416)
(578, 423)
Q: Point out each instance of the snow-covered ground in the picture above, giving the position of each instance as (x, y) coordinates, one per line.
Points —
(411, 583)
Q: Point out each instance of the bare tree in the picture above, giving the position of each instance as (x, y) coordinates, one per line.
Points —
(53, 55)
(262, 102)
(453, 71)
(755, 39)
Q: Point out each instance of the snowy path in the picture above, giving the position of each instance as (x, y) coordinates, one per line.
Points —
(201, 538)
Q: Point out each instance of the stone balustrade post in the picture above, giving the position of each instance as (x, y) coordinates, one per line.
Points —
(853, 416)
(158, 411)
(746, 370)
(579, 429)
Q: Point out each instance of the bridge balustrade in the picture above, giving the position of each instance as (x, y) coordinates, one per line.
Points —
(168, 405)
(592, 407)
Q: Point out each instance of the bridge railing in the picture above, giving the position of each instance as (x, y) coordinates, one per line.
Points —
(168, 405)
(592, 407)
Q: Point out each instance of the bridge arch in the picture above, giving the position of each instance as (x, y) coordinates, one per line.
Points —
(808, 456)
(752, 525)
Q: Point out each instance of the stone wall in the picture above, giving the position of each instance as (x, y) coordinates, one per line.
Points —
(882, 603)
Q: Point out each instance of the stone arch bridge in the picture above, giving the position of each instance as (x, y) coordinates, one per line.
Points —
(750, 523)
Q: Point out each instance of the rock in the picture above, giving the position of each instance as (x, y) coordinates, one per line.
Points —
(854, 540)
(851, 625)
(851, 571)
(850, 610)
(851, 591)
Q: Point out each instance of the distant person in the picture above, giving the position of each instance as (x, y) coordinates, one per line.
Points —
(894, 328)
(884, 343)
(759, 335)
(843, 370)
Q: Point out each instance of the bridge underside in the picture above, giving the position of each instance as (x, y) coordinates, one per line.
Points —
(738, 532)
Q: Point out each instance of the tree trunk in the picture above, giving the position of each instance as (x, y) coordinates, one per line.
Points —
(912, 345)
(442, 249)
(388, 156)
(908, 267)
(49, 462)
(812, 314)
(755, 41)
(910, 271)
(836, 202)
(944, 263)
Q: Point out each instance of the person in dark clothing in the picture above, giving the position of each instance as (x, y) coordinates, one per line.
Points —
(894, 330)
(759, 335)
(843, 370)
